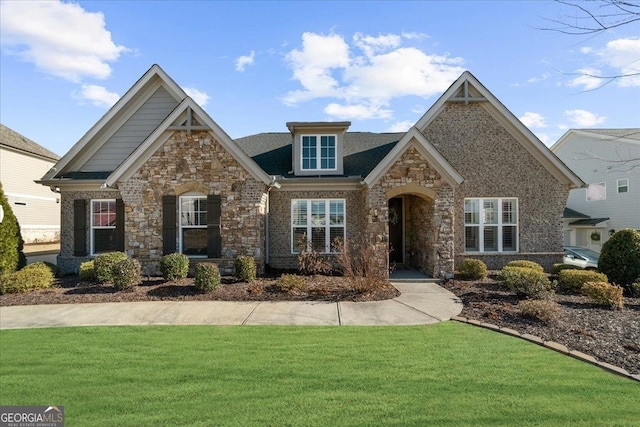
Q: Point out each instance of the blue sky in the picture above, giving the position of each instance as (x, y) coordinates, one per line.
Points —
(253, 66)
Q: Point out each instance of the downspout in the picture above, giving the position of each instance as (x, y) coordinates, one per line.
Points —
(272, 184)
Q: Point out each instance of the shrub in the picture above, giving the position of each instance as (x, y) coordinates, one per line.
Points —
(526, 281)
(33, 276)
(126, 274)
(207, 277)
(525, 264)
(54, 268)
(103, 265)
(557, 268)
(87, 271)
(634, 289)
(312, 262)
(358, 257)
(571, 281)
(604, 294)
(174, 266)
(11, 244)
(545, 311)
(620, 258)
(290, 282)
(245, 268)
(472, 269)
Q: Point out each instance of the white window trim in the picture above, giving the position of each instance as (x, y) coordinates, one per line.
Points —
(626, 184)
(189, 195)
(500, 225)
(318, 152)
(327, 226)
(604, 185)
(92, 227)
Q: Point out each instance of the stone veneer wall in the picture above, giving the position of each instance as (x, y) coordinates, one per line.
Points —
(494, 164)
(413, 170)
(194, 162)
(67, 263)
(280, 220)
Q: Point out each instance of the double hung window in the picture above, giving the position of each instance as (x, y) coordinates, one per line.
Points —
(491, 225)
(317, 223)
(193, 224)
(103, 226)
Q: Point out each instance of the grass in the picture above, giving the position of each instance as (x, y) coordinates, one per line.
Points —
(445, 374)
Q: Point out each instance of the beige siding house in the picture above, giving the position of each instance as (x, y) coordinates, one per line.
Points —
(37, 208)
(157, 175)
(608, 160)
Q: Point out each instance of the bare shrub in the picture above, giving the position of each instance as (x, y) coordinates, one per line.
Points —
(312, 262)
(359, 258)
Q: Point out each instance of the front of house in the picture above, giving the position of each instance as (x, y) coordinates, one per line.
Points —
(157, 175)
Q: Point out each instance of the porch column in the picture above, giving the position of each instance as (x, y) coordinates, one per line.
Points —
(443, 246)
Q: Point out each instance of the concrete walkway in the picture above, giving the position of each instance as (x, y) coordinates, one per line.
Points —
(419, 304)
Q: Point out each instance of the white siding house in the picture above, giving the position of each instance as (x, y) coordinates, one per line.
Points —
(37, 208)
(608, 161)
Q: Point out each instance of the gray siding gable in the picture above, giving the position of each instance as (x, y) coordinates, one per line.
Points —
(132, 133)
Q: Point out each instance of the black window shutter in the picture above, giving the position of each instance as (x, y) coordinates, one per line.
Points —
(119, 225)
(79, 227)
(168, 224)
(214, 239)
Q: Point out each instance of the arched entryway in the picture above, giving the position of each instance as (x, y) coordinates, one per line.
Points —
(411, 227)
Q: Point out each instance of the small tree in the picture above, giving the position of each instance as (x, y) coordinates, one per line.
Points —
(620, 258)
(11, 244)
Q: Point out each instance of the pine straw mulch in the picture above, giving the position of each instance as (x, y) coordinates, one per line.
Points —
(611, 336)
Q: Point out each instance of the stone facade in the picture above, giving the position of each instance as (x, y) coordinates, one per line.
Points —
(494, 164)
(187, 162)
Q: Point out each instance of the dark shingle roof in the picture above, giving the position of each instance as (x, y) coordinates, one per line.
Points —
(590, 221)
(13, 139)
(570, 213)
(85, 175)
(362, 151)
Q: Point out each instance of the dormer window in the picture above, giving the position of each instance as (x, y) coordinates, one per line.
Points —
(318, 152)
(318, 148)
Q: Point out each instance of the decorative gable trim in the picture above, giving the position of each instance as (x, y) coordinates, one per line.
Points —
(413, 138)
(117, 115)
(186, 116)
(468, 89)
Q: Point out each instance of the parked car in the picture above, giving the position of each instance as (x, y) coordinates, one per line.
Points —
(581, 257)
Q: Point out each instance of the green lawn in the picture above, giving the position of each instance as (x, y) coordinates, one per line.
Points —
(445, 374)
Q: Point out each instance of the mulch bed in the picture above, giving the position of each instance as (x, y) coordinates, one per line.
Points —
(611, 336)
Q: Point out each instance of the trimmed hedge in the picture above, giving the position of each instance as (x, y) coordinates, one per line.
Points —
(207, 277)
(620, 258)
(571, 281)
(557, 268)
(104, 263)
(126, 274)
(174, 266)
(526, 281)
(245, 268)
(604, 294)
(290, 282)
(472, 269)
(87, 271)
(545, 311)
(33, 276)
(525, 264)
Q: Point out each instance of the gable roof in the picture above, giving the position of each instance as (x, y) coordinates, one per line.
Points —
(624, 135)
(111, 121)
(12, 139)
(414, 138)
(469, 89)
(362, 151)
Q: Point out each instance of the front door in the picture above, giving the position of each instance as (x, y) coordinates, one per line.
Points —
(396, 231)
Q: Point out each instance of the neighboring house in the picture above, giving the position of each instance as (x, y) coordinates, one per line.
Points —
(608, 160)
(22, 161)
(157, 175)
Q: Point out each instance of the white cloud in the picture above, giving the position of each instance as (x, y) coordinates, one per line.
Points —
(584, 119)
(97, 95)
(200, 97)
(61, 39)
(545, 138)
(367, 74)
(533, 120)
(243, 61)
(402, 126)
(619, 57)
